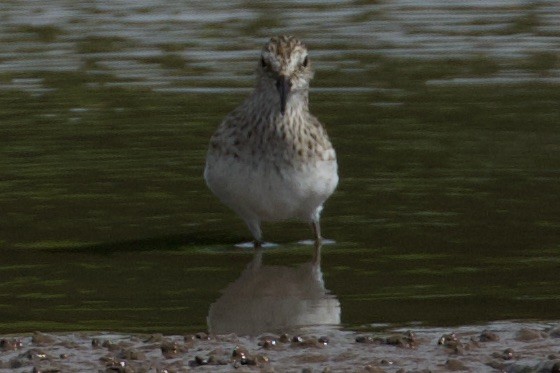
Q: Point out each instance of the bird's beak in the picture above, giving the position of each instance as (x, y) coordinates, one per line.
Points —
(283, 85)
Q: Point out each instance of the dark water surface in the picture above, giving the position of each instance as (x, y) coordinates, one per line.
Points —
(446, 121)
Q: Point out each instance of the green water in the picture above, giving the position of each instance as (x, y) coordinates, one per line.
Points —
(447, 210)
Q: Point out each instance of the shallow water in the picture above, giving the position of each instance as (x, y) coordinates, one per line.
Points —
(445, 119)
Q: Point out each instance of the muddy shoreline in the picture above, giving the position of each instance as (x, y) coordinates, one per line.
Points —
(500, 346)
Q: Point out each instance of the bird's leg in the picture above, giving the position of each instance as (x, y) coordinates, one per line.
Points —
(316, 226)
(318, 242)
(255, 228)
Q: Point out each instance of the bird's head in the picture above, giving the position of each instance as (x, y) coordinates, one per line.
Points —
(285, 65)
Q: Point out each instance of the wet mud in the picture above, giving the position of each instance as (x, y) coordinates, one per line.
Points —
(496, 347)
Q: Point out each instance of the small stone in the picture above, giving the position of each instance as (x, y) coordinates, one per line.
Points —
(285, 338)
(34, 354)
(488, 336)
(10, 344)
(445, 339)
(261, 360)
(554, 332)
(364, 339)
(268, 342)
(95, 342)
(323, 340)
(118, 366)
(169, 349)
(200, 360)
(41, 339)
(309, 342)
(406, 340)
(241, 355)
(248, 361)
(508, 354)
(154, 338)
(526, 335)
(108, 360)
(189, 338)
(297, 339)
(395, 340)
(110, 346)
(132, 354)
(201, 335)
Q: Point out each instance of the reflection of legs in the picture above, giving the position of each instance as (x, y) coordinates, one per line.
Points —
(316, 226)
(256, 263)
(317, 253)
(317, 246)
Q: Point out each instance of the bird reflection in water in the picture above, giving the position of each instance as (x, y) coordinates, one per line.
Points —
(274, 299)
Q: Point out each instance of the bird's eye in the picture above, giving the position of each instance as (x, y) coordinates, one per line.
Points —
(305, 61)
(263, 62)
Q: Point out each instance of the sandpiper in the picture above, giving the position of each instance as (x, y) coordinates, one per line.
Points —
(270, 159)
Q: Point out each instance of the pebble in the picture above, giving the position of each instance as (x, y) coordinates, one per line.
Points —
(132, 354)
(111, 346)
(488, 336)
(202, 335)
(239, 352)
(268, 342)
(202, 361)
(554, 332)
(507, 354)
(297, 339)
(169, 349)
(448, 340)
(452, 342)
(10, 344)
(154, 338)
(525, 335)
(364, 339)
(41, 339)
(406, 340)
(284, 338)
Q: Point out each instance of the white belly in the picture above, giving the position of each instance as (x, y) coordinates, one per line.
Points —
(269, 193)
